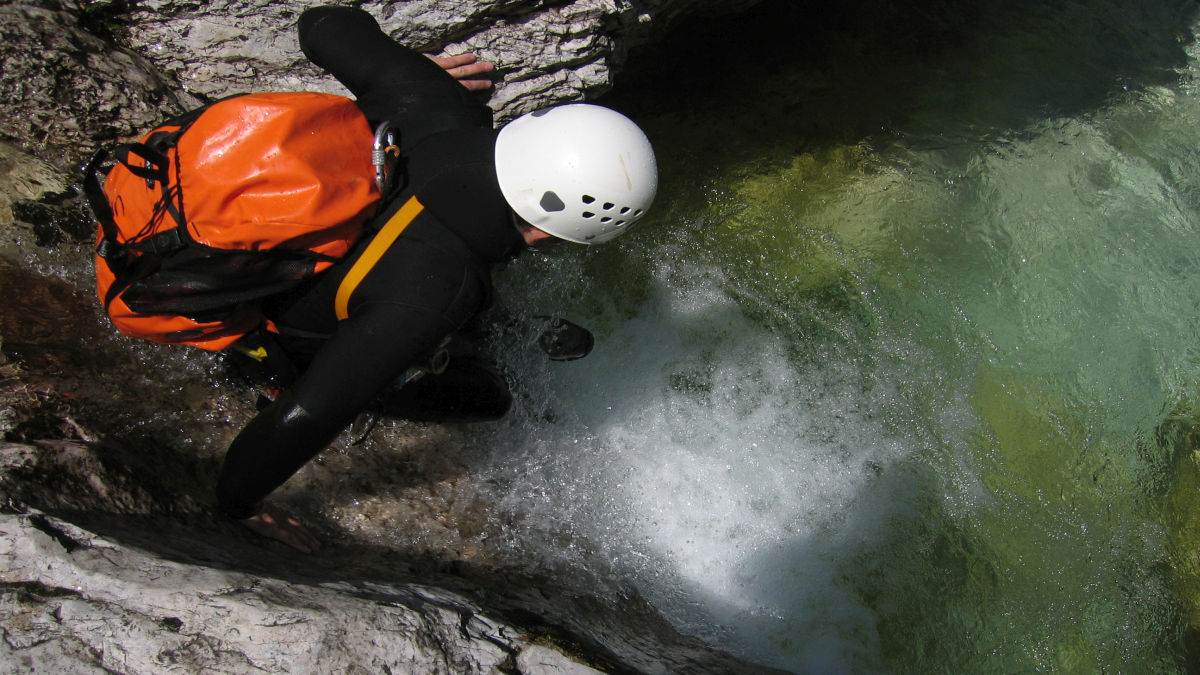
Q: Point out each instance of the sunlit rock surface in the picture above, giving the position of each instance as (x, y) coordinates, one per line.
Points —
(545, 52)
(75, 602)
(63, 89)
(73, 77)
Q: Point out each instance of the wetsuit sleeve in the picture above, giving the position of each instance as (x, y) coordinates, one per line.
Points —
(369, 351)
(389, 81)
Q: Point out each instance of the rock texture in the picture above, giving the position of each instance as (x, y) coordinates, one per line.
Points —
(545, 52)
(71, 601)
(73, 75)
(106, 567)
(64, 89)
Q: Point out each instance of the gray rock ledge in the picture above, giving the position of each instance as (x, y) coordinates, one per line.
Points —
(72, 601)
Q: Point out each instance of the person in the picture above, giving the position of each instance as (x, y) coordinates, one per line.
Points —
(467, 197)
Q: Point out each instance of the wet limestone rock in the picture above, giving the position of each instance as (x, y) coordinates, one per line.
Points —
(74, 75)
(545, 52)
(63, 89)
(71, 601)
(23, 179)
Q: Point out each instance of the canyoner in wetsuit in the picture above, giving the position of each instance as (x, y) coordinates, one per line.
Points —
(467, 197)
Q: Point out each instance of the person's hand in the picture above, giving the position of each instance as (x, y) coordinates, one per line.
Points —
(464, 68)
(284, 528)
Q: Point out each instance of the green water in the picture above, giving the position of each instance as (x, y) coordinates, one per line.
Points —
(902, 372)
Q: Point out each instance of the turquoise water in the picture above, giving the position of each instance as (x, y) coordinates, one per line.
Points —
(900, 374)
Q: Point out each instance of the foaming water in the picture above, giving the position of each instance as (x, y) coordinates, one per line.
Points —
(740, 468)
(693, 456)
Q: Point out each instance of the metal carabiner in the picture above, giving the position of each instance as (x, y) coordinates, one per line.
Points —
(385, 152)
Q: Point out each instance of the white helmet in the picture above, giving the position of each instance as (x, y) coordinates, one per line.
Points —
(580, 172)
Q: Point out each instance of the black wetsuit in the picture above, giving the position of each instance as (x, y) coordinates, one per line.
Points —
(428, 284)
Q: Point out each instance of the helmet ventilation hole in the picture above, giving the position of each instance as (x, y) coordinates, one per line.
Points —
(551, 202)
(588, 214)
(588, 199)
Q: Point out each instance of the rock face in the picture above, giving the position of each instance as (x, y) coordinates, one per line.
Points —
(105, 568)
(74, 602)
(71, 78)
(545, 52)
(63, 89)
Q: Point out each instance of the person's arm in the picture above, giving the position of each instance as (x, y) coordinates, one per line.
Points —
(389, 81)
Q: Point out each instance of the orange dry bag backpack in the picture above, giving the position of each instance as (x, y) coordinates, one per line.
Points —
(225, 205)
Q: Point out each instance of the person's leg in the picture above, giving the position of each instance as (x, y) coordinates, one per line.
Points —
(468, 390)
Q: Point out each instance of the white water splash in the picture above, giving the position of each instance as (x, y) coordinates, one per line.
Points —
(715, 473)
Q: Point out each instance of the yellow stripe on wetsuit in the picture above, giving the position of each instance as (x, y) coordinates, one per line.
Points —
(375, 250)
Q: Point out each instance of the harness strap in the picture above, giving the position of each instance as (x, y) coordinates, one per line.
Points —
(374, 251)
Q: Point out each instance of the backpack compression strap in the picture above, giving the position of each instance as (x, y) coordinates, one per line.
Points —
(153, 169)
